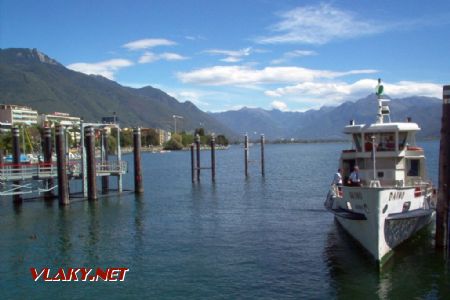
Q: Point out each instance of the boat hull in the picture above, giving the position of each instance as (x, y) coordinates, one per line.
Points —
(382, 218)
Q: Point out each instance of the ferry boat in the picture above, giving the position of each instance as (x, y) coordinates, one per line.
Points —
(393, 198)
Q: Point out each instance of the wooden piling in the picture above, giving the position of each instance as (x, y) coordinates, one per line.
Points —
(63, 182)
(246, 155)
(197, 144)
(192, 163)
(262, 155)
(89, 135)
(105, 159)
(47, 152)
(213, 158)
(442, 209)
(138, 188)
(16, 159)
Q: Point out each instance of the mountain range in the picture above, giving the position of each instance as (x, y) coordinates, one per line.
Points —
(327, 123)
(29, 77)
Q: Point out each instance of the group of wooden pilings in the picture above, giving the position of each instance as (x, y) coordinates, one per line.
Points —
(195, 159)
(246, 155)
(61, 163)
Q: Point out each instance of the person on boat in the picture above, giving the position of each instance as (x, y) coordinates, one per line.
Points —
(354, 179)
(337, 179)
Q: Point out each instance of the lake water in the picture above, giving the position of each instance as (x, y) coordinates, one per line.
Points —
(238, 238)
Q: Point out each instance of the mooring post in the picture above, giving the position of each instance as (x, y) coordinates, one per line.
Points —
(63, 183)
(89, 135)
(192, 163)
(197, 144)
(47, 152)
(262, 155)
(213, 158)
(442, 208)
(119, 157)
(138, 188)
(16, 159)
(246, 155)
(83, 160)
(105, 153)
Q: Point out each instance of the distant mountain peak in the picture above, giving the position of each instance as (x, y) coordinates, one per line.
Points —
(28, 55)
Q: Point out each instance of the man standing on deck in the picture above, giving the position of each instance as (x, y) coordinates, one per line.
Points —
(337, 180)
(354, 179)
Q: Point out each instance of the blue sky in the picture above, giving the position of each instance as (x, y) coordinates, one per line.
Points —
(222, 55)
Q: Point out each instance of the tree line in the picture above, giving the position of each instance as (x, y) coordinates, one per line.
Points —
(30, 139)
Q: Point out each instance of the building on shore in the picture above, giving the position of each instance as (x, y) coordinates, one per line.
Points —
(164, 136)
(18, 115)
(63, 119)
(5, 127)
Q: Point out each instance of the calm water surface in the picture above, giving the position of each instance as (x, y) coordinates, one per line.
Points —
(238, 238)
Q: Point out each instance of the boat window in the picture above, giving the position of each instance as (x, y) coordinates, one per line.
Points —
(413, 167)
(368, 141)
(357, 141)
(402, 136)
(384, 141)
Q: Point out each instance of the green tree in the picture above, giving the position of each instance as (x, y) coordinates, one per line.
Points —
(187, 139)
(150, 137)
(222, 140)
(6, 141)
(177, 137)
(126, 138)
(199, 131)
(173, 144)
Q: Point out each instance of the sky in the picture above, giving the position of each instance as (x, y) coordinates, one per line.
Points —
(224, 55)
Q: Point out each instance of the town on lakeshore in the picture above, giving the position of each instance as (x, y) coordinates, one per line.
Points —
(31, 123)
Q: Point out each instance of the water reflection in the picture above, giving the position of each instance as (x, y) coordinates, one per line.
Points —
(91, 247)
(353, 273)
(64, 228)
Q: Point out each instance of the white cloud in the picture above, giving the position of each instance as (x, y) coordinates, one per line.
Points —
(244, 75)
(231, 59)
(148, 43)
(331, 93)
(300, 53)
(318, 25)
(292, 54)
(280, 105)
(194, 97)
(171, 56)
(104, 68)
(232, 56)
(149, 57)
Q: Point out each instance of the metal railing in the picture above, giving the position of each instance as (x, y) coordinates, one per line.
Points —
(26, 171)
